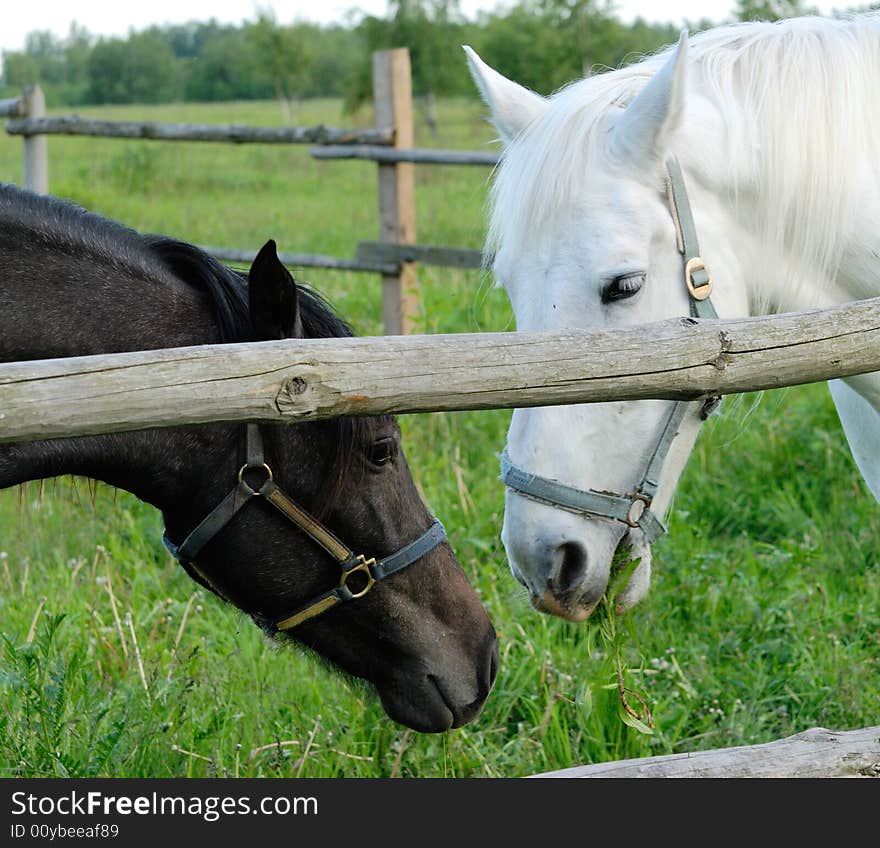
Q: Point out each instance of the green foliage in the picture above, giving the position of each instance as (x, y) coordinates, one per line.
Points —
(762, 620)
(139, 69)
(772, 10)
(541, 43)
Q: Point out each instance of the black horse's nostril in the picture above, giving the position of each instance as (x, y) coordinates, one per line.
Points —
(570, 567)
(492, 666)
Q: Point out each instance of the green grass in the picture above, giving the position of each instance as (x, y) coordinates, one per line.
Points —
(763, 619)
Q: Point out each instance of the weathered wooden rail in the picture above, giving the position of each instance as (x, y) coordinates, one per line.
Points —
(230, 133)
(297, 380)
(12, 107)
(416, 155)
(814, 753)
(309, 260)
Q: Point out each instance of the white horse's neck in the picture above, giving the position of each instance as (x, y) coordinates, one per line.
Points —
(785, 189)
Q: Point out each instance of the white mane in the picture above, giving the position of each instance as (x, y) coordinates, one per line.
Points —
(799, 98)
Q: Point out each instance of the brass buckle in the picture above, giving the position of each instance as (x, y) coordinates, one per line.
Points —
(636, 499)
(694, 264)
(364, 565)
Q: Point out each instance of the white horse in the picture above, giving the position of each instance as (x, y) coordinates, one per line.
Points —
(777, 131)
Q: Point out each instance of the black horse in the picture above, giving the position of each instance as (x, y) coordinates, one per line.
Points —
(74, 283)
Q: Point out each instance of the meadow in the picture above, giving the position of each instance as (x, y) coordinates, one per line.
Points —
(763, 619)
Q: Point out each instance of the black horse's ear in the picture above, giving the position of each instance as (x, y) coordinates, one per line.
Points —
(272, 294)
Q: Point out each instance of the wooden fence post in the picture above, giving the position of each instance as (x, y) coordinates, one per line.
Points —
(392, 98)
(36, 150)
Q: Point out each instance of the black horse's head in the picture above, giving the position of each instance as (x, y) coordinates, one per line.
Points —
(421, 636)
(75, 283)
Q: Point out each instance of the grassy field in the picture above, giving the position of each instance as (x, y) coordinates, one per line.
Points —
(763, 620)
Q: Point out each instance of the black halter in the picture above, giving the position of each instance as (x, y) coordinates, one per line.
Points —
(255, 480)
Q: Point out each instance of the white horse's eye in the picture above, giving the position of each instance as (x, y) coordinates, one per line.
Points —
(623, 287)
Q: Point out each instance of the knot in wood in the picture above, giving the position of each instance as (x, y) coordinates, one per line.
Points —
(295, 385)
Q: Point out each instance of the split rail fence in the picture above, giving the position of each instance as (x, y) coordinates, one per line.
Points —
(389, 144)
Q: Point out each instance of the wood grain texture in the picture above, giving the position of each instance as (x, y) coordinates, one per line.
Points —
(295, 380)
(814, 753)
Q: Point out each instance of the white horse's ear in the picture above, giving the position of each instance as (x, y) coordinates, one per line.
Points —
(513, 106)
(642, 134)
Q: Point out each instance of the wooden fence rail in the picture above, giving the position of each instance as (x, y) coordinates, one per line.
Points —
(424, 254)
(231, 133)
(308, 260)
(296, 380)
(814, 753)
(12, 107)
(417, 155)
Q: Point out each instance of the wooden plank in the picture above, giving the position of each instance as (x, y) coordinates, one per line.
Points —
(392, 98)
(814, 753)
(447, 257)
(306, 260)
(417, 155)
(12, 107)
(232, 133)
(297, 380)
(36, 149)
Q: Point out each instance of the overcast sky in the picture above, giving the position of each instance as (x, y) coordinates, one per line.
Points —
(19, 17)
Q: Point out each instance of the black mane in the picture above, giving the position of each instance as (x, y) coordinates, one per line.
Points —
(228, 292)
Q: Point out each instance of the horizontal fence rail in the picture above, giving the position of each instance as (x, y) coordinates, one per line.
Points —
(814, 753)
(426, 254)
(12, 107)
(296, 380)
(307, 260)
(231, 133)
(417, 155)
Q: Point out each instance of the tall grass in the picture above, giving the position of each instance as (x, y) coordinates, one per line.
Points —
(763, 619)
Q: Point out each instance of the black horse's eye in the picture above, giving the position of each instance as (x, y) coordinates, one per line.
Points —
(622, 287)
(383, 450)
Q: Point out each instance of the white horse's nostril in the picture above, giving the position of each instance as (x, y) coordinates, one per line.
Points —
(570, 567)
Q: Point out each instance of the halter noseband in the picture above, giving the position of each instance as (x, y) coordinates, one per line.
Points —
(255, 480)
(634, 509)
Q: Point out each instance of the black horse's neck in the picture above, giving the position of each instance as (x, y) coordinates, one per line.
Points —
(74, 283)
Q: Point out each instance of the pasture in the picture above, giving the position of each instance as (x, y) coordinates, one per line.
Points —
(763, 618)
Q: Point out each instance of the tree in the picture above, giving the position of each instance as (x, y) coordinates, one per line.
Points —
(771, 10)
(281, 57)
(139, 69)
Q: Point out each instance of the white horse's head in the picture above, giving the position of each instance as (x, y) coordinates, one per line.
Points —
(583, 237)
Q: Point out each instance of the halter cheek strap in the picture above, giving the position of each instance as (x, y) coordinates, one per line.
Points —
(358, 574)
(696, 274)
(634, 509)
